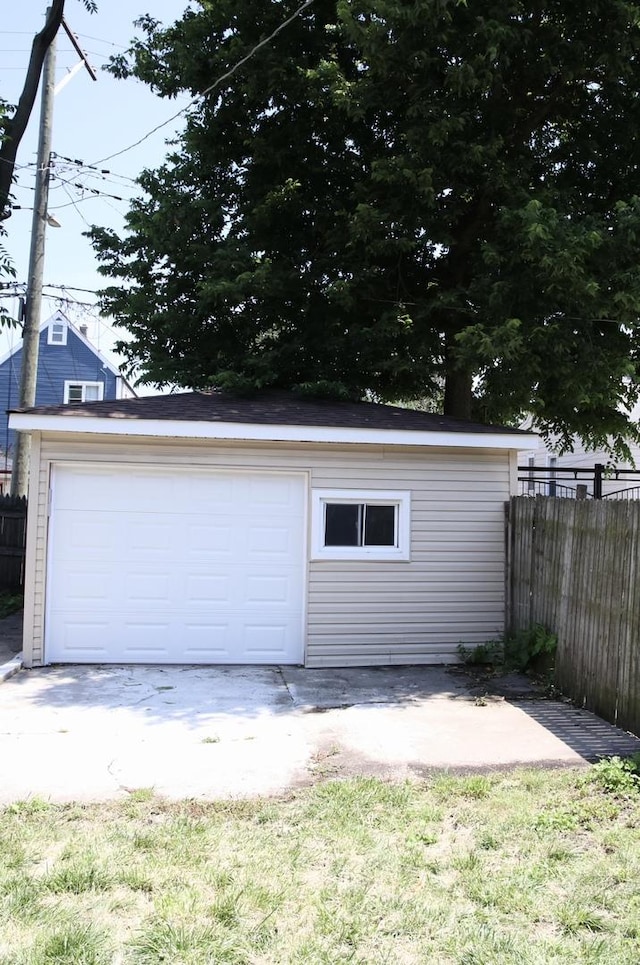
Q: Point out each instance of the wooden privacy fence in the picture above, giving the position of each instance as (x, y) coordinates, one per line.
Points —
(13, 524)
(573, 567)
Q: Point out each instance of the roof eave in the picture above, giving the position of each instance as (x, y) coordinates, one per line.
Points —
(253, 432)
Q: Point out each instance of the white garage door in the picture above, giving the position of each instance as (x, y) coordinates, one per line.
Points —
(165, 566)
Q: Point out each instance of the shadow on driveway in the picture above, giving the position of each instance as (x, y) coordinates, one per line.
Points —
(587, 735)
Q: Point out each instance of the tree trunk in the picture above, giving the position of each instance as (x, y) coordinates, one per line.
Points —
(457, 393)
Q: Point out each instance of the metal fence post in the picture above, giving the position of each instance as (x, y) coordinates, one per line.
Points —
(598, 469)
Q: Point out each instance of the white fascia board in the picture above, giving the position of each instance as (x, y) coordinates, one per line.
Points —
(252, 432)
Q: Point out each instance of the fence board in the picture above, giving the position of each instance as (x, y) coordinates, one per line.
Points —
(573, 566)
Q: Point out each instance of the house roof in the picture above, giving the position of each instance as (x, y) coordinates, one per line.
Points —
(266, 415)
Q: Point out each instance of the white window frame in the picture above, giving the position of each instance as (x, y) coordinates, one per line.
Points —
(84, 385)
(400, 499)
(55, 341)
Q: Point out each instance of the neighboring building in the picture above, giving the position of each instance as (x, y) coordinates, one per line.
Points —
(201, 528)
(70, 369)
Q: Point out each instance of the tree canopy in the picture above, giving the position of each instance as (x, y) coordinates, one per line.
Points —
(391, 199)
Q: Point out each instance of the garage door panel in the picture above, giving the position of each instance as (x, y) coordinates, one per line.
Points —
(212, 577)
(207, 588)
(207, 641)
(145, 537)
(82, 586)
(87, 488)
(128, 639)
(214, 540)
(96, 586)
(267, 590)
(85, 535)
(87, 639)
(149, 587)
(270, 492)
(204, 494)
(147, 640)
(264, 641)
(270, 543)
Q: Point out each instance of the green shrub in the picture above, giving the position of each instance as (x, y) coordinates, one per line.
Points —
(515, 651)
(490, 653)
(524, 647)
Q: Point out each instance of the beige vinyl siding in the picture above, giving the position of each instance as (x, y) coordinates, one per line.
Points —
(357, 613)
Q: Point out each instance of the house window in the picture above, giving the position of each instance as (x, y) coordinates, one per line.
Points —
(57, 333)
(352, 524)
(83, 391)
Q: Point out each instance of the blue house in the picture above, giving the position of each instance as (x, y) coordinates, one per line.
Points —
(70, 369)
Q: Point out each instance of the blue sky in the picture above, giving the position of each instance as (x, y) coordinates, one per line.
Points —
(91, 120)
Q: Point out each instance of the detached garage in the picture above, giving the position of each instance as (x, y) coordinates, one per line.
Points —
(199, 528)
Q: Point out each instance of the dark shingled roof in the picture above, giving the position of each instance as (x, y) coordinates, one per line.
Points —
(267, 408)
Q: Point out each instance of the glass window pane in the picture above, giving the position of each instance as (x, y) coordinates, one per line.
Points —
(92, 393)
(380, 526)
(342, 526)
(75, 393)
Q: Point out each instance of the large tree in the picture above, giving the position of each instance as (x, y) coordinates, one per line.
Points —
(390, 197)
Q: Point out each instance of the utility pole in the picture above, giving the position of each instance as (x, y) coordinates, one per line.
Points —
(31, 330)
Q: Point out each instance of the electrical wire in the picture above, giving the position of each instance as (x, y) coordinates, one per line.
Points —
(20, 167)
(80, 214)
(215, 84)
(99, 40)
(84, 187)
(82, 164)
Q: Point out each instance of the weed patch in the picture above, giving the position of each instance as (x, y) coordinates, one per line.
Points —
(521, 650)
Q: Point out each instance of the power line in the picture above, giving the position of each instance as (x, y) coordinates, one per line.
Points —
(80, 214)
(84, 187)
(29, 33)
(92, 167)
(99, 40)
(20, 167)
(73, 288)
(215, 84)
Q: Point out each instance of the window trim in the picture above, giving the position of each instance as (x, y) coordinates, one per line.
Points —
(401, 499)
(50, 338)
(85, 384)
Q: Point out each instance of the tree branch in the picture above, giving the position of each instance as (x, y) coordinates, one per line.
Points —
(14, 128)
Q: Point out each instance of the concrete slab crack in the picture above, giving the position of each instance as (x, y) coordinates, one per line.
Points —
(286, 685)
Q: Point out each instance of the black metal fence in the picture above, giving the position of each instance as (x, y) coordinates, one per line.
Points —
(579, 482)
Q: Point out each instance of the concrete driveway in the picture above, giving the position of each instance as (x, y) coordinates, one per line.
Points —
(90, 733)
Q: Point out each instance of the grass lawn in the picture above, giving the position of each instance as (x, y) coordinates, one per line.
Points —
(525, 867)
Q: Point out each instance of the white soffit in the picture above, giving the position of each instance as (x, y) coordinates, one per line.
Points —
(253, 432)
